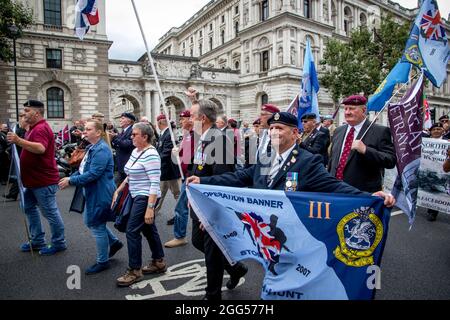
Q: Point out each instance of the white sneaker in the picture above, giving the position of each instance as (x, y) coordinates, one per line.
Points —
(175, 243)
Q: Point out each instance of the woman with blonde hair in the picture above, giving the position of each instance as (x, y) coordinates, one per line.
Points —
(96, 176)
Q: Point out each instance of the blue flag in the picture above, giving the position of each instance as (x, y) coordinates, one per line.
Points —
(312, 245)
(427, 47)
(398, 74)
(307, 100)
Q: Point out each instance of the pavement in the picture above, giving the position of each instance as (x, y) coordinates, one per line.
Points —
(416, 262)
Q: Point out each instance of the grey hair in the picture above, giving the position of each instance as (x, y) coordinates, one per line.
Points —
(208, 108)
(224, 118)
(145, 129)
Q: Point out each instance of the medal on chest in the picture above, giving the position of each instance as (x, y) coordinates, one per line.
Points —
(291, 181)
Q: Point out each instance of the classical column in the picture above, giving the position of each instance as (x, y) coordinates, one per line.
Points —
(155, 106)
(148, 104)
(286, 46)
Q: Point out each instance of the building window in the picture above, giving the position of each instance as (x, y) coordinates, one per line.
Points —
(307, 9)
(236, 65)
(55, 103)
(222, 36)
(223, 18)
(264, 99)
(236, 28)
(210, 27)
(236, 10)
(200, 33)
(192, 39)
(265, 61)
(184, 45)
(264, 10)
(192, 52)
(54, 59)
(210, 43)
(200, 49)
(52, 12)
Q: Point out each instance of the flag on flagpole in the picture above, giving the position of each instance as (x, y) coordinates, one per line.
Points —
(398, 74)
(86, 15)
(427, 46)
(307, 99)
(308, 251)
(406, 123)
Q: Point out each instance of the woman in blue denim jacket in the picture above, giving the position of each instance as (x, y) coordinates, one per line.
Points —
(96, 176)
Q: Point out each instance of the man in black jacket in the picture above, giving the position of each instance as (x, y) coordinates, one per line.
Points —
(170, 174)
(212, 157)
(123, 144)
(314, 140)
(360, 161)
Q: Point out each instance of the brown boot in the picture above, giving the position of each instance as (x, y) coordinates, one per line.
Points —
(130, 277)
(156, 266)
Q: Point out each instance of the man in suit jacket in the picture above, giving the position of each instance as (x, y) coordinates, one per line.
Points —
(213, 155)
(361, 162)
(314, 141)
(123, 144)
(170, 174)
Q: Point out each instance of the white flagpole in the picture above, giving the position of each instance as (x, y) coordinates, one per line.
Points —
(387, 103)
(161, 97)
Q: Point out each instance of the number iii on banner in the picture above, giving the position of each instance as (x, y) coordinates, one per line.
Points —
(319, 206)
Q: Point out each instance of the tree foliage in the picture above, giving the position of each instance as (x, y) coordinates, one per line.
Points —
(12, 13)
(360, 65)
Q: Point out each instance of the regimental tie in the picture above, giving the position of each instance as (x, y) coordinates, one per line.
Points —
(275, 168)
(345, 154)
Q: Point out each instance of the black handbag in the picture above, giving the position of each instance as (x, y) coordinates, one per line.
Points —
(78, 200)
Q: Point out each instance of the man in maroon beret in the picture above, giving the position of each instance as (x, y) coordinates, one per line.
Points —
(361, 161)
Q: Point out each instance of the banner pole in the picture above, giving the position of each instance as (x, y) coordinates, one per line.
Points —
(161, 97)
(387, 103)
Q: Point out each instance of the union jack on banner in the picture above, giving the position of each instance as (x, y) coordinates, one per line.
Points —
(431, 26)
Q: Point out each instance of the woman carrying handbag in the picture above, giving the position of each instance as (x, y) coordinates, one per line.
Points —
(143, 171)
(96, 176)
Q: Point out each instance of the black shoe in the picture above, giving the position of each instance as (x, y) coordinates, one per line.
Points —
(171, 222)
(235, 277)
(432, 216)
(10, 197)
(116, 246)
(209, 297)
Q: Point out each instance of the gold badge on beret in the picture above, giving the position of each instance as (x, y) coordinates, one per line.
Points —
(294, 152)
(276, 116)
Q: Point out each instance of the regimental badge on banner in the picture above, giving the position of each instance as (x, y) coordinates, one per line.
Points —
(360, 232)
(291, 181)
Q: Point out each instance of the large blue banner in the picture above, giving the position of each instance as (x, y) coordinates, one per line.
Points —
(312, 245)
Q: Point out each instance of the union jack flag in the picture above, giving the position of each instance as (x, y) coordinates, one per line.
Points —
(431, 26)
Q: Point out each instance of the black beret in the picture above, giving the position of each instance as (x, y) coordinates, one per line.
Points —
(309, 116)
(33, 104)
(129, 116)
(436, 125)
(284, 118)
(444, 117)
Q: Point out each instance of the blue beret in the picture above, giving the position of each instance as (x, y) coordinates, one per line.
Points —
(33, 103)
(355, 100)
(309, 116)
(129, 116)
(285, 118)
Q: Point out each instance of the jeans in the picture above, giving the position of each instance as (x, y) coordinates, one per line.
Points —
(104, 238)
(45, 198)
(181, 214)
(135, 226)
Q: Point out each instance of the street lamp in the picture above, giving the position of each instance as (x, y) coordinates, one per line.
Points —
(15, 33)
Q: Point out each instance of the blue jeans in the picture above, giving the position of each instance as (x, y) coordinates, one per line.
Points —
(45, 198)
(181, 214)
(104, 238)
(135, 226)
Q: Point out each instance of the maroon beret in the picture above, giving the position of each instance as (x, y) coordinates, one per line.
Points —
(257, 121)
(231, 120)
(270, 108)
(355, 100)
(185, 114)
(161, 117)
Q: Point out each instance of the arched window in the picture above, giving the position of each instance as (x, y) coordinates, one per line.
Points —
(264, 99)
(363, 19)
(264, 61)
(348, 19)
(55, 103)
(52, 12)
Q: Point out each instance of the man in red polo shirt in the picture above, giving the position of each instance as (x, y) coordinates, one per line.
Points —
(40, 177)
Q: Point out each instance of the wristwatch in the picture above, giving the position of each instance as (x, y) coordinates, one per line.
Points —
(151, 205)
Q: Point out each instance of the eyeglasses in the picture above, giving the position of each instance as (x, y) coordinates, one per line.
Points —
(443, 121)
(135, 134)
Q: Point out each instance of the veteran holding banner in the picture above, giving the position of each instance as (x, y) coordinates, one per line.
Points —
(293, 169)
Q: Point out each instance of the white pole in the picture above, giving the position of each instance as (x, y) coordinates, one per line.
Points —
(161, 97)
(387, 103)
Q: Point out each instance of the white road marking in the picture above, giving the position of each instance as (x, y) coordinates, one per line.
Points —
(395, 213)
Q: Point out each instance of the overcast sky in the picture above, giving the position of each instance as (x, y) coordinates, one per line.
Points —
(157, 17)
